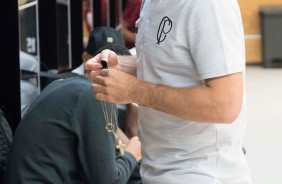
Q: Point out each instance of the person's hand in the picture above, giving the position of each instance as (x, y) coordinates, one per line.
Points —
(93, 66)
(115, 86)
(134, 147)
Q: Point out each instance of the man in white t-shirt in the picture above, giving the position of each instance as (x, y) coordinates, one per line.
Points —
(190, 89)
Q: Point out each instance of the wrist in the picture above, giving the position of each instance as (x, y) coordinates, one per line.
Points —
(137, 157)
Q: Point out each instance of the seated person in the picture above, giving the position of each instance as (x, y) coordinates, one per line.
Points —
(63, 139)
(99, 39)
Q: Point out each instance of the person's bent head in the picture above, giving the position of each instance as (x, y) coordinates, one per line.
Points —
(103, 37)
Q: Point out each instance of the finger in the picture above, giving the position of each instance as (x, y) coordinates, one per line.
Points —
(93, 63)
(95, 59)
(100, 80)
(104, 73)
(105, 54)
(108, 56)
(93, 74)
(97, 88)
(135, 138)
(101, 96)
(88, 66)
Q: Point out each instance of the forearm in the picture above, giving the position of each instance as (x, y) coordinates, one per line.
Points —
(128, 35)
(118, 173)
(125, 165)
(127, 64)
(202, 104)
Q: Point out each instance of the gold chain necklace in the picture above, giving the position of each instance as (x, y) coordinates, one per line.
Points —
(111, 120)
(111, 125)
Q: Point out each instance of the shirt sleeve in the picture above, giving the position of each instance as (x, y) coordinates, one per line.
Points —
(96, 146)
(216, 37)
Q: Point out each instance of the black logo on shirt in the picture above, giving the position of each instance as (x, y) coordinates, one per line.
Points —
(164, 28)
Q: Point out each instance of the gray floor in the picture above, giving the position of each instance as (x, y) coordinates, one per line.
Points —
(263, 138)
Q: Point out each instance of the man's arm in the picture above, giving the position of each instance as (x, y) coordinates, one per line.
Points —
(219, 101)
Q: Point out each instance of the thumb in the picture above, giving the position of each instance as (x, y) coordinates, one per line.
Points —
(109, 56)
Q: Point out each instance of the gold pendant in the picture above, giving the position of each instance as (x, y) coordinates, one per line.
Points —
(120, 146)
(110, 127)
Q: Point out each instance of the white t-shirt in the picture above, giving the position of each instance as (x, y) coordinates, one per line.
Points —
(29, 89)
(180, 44)
(79, 70)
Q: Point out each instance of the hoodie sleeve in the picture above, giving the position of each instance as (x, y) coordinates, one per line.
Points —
(96, 146)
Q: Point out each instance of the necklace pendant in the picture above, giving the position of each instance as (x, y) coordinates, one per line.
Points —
(110, 127)
(120, 146)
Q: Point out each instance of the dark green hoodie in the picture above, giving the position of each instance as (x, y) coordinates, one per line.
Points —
(62, 139)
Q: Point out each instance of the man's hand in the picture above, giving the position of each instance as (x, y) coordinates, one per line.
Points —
(115, 86)
(134, 147)
(93, 66)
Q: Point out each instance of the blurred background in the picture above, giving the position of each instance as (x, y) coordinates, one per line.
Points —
(39, 39)
(262, 21)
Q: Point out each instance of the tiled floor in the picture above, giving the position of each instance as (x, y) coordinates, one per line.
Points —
(263, 138)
